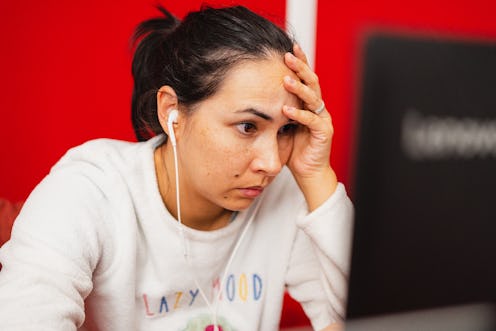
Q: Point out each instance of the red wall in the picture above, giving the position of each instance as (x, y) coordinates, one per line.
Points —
(65, 69)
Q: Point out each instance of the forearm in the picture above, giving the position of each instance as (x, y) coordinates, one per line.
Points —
(329, 229)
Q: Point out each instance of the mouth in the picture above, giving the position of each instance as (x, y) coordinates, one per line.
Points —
(251, 192)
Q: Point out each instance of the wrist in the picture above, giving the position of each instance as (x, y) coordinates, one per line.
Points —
(318, 187)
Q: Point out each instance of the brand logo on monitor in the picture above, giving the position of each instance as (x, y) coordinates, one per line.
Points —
(428, 137)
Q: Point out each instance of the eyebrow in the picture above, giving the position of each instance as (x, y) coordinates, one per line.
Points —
(256, 112)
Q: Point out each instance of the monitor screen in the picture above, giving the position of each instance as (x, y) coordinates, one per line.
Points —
(425, 176)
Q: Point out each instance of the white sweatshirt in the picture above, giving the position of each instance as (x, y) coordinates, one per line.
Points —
(94, 248)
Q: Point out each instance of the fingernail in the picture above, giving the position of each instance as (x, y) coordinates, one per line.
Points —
(289, 80)
(289, 109)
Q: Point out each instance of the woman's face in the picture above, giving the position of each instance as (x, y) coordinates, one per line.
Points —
(235, 142)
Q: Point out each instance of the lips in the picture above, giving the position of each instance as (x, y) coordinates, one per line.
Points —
(251, 192)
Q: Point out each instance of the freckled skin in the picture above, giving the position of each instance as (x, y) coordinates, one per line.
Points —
(215, 158)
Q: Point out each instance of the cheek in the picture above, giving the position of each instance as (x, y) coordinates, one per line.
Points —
(221, 156)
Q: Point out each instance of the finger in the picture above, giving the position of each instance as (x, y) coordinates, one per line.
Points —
(310, 98)
(298, 62)
(303, 117)
(298, 52)
(303, 71)
(321, 128)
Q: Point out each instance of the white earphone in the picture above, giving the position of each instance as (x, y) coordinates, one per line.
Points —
(172, 137)
(170, 121)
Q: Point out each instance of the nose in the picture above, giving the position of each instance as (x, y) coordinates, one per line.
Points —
(267, 159)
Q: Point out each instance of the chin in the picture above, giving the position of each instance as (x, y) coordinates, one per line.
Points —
(238, 205)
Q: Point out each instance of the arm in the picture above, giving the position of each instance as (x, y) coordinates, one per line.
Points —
(329, 229)
(48, 263)
(328, 223)
(318, 272)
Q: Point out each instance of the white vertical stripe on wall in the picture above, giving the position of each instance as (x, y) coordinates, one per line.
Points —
(301, 17)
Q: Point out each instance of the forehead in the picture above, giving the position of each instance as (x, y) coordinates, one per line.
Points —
(257, 80)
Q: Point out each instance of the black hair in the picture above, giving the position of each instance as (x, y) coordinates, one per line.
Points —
(193, 56)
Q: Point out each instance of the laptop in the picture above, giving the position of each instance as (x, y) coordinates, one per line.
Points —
(424, 184)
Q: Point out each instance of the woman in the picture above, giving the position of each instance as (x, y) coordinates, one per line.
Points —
(228, 200)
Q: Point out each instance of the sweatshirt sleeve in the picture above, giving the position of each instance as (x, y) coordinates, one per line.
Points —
(47, 265)
(319, 265)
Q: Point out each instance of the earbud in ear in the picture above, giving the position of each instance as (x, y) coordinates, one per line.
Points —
(170, 121)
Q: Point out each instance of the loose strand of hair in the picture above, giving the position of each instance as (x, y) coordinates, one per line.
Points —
(165, 25)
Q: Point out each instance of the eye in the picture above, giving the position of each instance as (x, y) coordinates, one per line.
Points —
(246, 128)
(288, 129)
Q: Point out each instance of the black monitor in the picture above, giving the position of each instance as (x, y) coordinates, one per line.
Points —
(425, 176)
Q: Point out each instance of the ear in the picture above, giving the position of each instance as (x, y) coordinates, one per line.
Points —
(166, 102)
